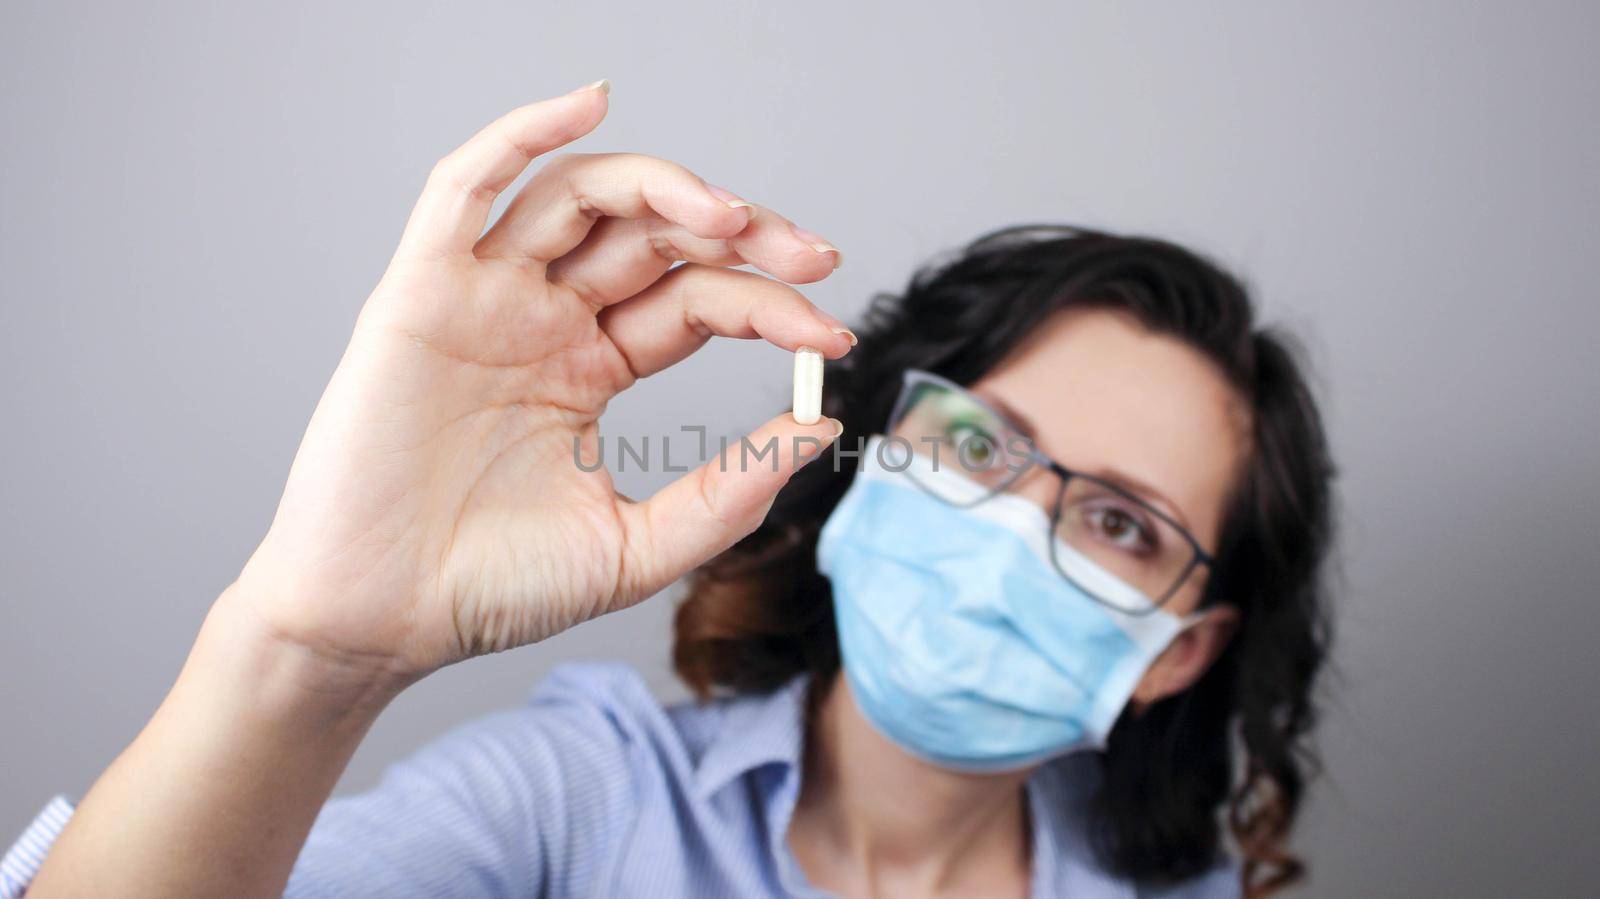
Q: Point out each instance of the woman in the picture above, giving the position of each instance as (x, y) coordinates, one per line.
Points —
(1013, 672)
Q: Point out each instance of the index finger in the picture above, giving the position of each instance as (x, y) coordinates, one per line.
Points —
(672, 318)
(453, 209)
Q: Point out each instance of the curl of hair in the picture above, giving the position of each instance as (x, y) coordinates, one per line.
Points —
(1233, 748)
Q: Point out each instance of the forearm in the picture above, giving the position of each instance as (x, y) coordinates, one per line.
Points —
(217, 793)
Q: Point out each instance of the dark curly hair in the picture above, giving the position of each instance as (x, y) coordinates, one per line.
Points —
(760, 613)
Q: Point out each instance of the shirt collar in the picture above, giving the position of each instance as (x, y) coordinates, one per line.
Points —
(756, 729)
(769, 729)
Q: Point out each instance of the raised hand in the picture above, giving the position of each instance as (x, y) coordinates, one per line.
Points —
(435, 509)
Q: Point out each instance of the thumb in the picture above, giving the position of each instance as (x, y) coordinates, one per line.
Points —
(713, 507)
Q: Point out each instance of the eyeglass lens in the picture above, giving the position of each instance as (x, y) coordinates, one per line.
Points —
(978, 454)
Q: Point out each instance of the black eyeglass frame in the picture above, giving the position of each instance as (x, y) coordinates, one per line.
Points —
(915, 376)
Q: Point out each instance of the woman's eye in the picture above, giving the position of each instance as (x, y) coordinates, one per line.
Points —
(975, 445)
(1121, 528)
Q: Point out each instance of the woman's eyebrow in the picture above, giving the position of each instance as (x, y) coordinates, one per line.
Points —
(1144, 491)
(1013, 416)
(1111, 475)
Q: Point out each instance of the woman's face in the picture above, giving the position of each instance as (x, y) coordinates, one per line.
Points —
(1102, 395)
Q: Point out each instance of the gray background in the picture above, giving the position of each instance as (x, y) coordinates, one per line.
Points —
(195, 200)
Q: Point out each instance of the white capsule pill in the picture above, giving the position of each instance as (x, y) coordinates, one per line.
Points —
(807, 386)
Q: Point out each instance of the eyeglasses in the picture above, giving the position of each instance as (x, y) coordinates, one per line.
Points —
(979, 453)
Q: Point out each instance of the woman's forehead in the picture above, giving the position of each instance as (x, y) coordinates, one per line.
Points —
(1103, 392)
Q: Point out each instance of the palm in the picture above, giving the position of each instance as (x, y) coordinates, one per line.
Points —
(435, 510)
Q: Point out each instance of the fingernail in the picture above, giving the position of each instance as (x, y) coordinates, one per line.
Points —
(834, 324)
(819, 243)
(728, 197)
(603, 86)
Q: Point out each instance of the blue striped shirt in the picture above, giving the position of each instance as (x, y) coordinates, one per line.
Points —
(594, 789)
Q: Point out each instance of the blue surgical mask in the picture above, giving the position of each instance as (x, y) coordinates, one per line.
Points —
(961, 642)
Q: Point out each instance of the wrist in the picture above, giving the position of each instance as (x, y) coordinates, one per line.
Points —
(280, 675)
